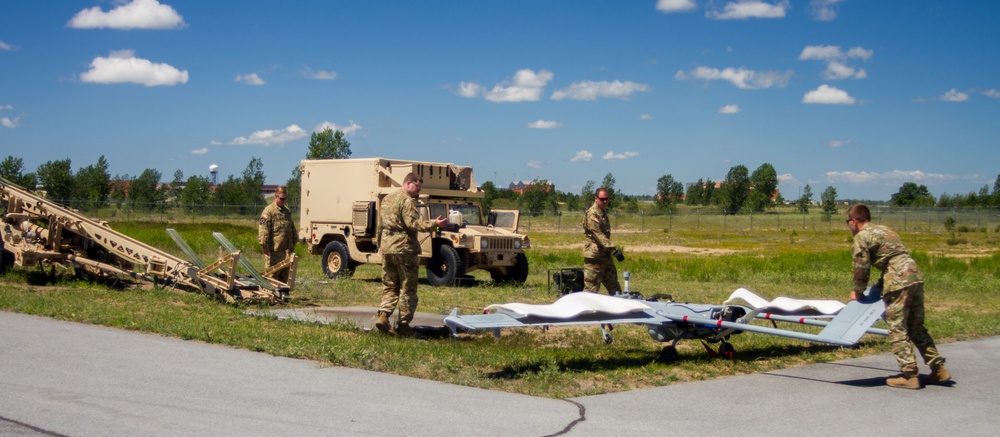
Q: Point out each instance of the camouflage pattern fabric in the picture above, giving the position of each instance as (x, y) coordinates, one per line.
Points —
(597, 229)
(399, 272)
(399, 222)
(597, 271)
(880, 247)
(902, 290)
(276, 232)
(904, 312)
(598, 267)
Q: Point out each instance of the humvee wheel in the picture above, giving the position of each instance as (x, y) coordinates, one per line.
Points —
(668, 354)
(335, 260)
(516, 274)
(445, 266)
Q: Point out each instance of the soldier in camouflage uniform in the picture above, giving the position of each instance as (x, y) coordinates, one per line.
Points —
(276, 232)
(902, 286)
(598, 267)
(399, 223)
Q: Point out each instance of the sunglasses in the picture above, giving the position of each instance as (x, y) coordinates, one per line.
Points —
(282, 198)
(602, 199)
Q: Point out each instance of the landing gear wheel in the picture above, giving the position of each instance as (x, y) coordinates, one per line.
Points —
(668, 354)
(335, 260)
(727, 351)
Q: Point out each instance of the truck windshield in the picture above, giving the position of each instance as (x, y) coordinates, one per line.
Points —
(470, 213)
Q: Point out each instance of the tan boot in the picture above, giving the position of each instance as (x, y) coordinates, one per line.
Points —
(910, 382)
(382, 323)
(939, 375)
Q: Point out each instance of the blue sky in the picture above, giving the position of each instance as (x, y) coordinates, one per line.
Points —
(859, 95)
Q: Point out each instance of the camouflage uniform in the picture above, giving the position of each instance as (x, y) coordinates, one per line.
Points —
(598, 267)
(399, 222)
(277, 233)
(902, 290)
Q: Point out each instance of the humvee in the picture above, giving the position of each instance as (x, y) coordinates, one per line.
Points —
(340, 210)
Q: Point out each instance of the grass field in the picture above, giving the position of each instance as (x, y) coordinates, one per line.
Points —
(694, 257)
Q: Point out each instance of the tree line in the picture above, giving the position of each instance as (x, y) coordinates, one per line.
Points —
(741, 190)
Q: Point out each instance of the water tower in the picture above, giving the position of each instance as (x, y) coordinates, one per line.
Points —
(214, 171)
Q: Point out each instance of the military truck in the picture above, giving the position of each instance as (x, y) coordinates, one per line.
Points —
(340, 210)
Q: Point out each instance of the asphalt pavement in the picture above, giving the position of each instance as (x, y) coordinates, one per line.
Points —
(64, 378)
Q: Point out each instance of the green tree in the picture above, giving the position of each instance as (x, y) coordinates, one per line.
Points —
(829, 200)
(668, 193)
(587, 195)
(12, 169)
(144, 192)
(536, 197)
(614, 196)
(911, 194)
(489, 195)
(805, 200)
(57, 178)
(176, 186)
(196, 192)
(695, 193)
(252, 183)
(735, 189)
(92, 184)
(763, 186)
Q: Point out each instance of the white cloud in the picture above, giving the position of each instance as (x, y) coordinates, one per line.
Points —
(955, 96)
(138, 14)
(250, 79)
(10, 123)
(526, 86)
(582, 156)
(836, 60)
(121, 66)
(838, 143)
(319, 74)
(200, 151)
(992, 93)
(590, 90)
(272, 137)
(826, 94)
(6, 47)
(740, 77)
(645, 117)
(6, 107)
(729, 109)
(351, 127)
(787, 178)
(611, 155)
(534, 164)
(895, 177)
(668, 6)
(743, 9)
(824, 10)
(544, 124)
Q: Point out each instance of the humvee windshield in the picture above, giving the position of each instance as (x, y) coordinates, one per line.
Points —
(471, 214)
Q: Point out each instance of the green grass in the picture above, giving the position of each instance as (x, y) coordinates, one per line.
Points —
(962, 286)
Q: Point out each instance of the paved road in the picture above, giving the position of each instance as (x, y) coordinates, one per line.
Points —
(62, 378)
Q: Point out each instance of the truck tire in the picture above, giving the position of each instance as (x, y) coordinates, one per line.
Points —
(445, 266)
(335, 260)
(6, 259)
(515, 274)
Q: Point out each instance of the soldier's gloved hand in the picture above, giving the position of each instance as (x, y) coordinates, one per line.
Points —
(619, 255)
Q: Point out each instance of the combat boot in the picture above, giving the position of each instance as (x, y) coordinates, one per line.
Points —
(404, 330)
(939, 375)
(910, 382)
(382, 323)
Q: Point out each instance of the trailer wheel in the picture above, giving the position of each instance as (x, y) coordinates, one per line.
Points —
(6, 259)
(445, 266)
(335, 260)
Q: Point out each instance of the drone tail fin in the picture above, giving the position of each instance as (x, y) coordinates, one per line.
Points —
(853, 321)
